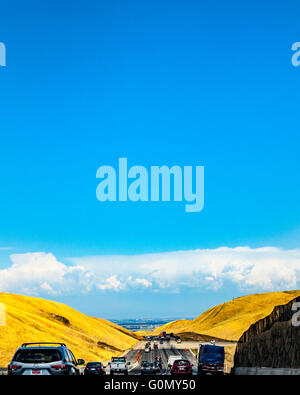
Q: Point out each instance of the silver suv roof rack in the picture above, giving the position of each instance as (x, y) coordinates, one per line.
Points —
(30, 344)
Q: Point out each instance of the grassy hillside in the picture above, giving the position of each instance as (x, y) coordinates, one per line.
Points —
(230, 320)
(33, 319)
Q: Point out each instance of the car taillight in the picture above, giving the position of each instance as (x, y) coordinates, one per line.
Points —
(58, 367)
(14, 367)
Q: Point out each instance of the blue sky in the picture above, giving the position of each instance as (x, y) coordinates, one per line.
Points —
(161, 83)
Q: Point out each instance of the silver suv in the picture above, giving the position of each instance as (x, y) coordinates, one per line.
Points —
(44, 359)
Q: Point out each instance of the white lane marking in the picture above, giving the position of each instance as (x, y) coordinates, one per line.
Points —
(135, 365)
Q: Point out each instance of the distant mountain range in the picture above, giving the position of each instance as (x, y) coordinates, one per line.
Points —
(135, 325)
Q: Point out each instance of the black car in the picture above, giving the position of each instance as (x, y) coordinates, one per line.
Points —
(148, 368)
(94, 368)
(37, 359)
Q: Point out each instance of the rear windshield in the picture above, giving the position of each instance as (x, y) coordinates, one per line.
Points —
(94, 364)
(182, 363)
(38, 356)
(148, 364)
(120, 360)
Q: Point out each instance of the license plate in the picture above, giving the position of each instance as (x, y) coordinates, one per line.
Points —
(36, 372)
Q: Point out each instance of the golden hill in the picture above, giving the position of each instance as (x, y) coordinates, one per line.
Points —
(31, 319)
(228, 321)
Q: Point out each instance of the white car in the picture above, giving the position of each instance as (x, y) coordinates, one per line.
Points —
(147, 349)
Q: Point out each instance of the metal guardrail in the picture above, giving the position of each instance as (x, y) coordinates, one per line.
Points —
(266, 371)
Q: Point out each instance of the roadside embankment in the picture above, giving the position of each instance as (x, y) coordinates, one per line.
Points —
(272, 342)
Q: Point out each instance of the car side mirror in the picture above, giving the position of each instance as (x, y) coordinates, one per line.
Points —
(80, 362)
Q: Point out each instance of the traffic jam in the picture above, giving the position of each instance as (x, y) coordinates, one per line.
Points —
(160, 355)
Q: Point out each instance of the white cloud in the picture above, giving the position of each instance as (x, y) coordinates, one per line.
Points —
(46, 287)
(143, 282)
(260, 269)
(33, 273)
(111, 283)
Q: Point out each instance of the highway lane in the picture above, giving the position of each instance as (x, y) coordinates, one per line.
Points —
(164, 351)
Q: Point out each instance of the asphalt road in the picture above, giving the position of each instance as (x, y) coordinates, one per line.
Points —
(164, 351)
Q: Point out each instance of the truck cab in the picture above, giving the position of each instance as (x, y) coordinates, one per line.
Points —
(210, 359)
(119, 365)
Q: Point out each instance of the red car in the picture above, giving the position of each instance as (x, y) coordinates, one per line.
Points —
(182, 366)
